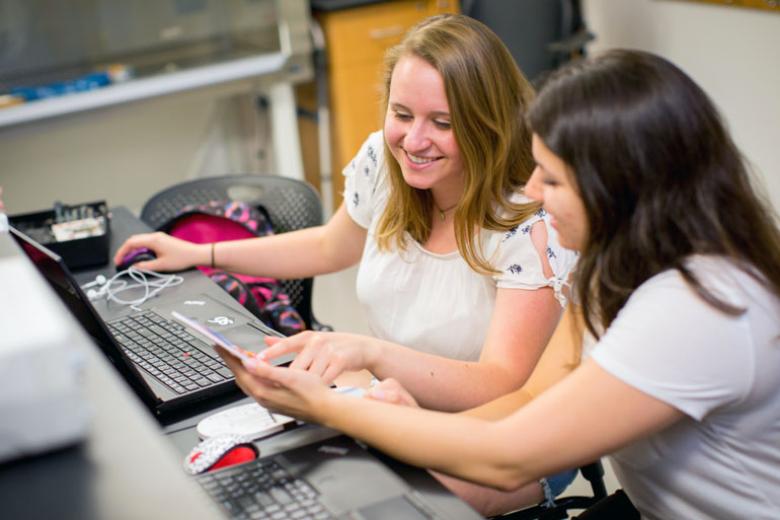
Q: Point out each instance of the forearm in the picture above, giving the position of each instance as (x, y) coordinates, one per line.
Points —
(441, 383)
(429, 439)
(501, 407)
(297, 254)
(522, 324)
(489, 501)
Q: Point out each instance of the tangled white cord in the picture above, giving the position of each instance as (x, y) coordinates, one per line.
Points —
(152, 283)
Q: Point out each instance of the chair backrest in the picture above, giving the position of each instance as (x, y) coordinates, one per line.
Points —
(291, 204)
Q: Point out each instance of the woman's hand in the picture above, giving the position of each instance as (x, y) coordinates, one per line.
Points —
(296, 393)
(391, 391)
(326, 354)
(173, 254)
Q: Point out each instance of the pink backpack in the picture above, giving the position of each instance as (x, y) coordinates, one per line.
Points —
(218, 221)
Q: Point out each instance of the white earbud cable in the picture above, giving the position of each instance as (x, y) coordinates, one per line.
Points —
(152, 282)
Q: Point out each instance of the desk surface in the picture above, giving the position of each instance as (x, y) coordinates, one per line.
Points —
(125, 468)
(128, 468)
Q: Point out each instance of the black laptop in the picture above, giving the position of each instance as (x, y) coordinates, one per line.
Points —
(170, 368)
(334, 478)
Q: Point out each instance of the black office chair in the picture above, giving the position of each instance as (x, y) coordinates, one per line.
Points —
(593, 473)
(291, 204)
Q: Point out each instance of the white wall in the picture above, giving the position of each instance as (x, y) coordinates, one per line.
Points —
(733, 53)
(125, 153)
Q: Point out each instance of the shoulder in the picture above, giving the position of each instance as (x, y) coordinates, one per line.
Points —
(371, 152)
(365, 184)
(721, 276)
(668, 342)
(523, 259)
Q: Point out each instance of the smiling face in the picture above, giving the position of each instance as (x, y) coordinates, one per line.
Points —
(418, 130)
(551, 184)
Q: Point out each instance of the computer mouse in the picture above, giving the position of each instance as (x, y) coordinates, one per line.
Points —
(220, 452)
(141, 254)
(251, 421)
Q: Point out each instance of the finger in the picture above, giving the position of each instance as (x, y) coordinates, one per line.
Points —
(376, 393)
(251, 385)
(333, 371)
(270, 374)
(134, 242)
(230, 360)
(281, 346)
(320, 363)
(303, 360)
(151, 265)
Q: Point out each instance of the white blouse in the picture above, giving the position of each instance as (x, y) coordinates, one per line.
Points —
(435, 302)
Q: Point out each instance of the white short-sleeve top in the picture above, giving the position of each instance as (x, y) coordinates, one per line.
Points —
(435, 302)
(722, 460)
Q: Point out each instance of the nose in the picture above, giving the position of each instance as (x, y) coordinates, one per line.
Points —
(416, 138)
(533, 188)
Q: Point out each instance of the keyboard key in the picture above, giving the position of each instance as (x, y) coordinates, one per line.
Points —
(166, 351)
(263, 489)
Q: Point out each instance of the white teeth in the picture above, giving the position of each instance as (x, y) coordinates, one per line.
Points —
(419, 160)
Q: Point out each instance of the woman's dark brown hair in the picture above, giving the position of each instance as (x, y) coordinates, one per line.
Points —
(659, 176)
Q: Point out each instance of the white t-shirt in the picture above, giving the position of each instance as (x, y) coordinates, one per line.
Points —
(723, 459)
(435, 302)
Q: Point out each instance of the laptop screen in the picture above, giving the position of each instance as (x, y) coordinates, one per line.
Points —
(49, 265)
(53, 269)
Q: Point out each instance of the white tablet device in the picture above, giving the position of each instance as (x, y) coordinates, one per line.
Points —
(216, 337)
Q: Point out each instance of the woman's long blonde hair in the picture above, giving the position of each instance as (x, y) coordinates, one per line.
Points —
(488, 97)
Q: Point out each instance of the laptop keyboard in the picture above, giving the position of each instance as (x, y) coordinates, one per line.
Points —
(168, 352)
(263, 490)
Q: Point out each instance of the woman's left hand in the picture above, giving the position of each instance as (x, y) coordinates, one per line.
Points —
(293, 392)
(391, 391)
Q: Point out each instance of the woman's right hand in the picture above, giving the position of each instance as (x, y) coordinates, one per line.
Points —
(326, 354)
(173, 254)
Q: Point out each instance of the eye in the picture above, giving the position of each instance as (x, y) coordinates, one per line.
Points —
(547, 181)
(442, 125)
(402, 116)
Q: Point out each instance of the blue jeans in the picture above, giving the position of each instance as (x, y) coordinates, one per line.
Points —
(556, 484)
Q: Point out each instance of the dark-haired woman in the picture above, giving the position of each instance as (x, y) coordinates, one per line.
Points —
(679, 282)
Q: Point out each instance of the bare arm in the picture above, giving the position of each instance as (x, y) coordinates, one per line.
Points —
(297, 254)
(560, 357)
(520, 327)
(565, 427)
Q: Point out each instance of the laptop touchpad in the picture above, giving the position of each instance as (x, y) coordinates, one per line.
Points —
(393, 508)
(218, 316)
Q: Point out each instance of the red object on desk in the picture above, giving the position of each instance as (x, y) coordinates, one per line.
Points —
(237, 455)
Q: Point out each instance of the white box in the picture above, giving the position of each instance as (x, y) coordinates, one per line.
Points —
(42, 401)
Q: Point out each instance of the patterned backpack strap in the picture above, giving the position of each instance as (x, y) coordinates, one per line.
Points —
(239, 290)
(277, 308)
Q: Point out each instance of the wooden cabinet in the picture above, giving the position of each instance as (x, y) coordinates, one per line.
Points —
(356, 40)
(769, 5)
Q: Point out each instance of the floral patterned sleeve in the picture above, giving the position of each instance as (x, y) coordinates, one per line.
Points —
(520, 266)
(363, 178)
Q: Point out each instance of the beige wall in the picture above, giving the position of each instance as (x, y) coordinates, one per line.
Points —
(733, 53)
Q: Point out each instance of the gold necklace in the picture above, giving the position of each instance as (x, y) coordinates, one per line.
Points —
(443, 212)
